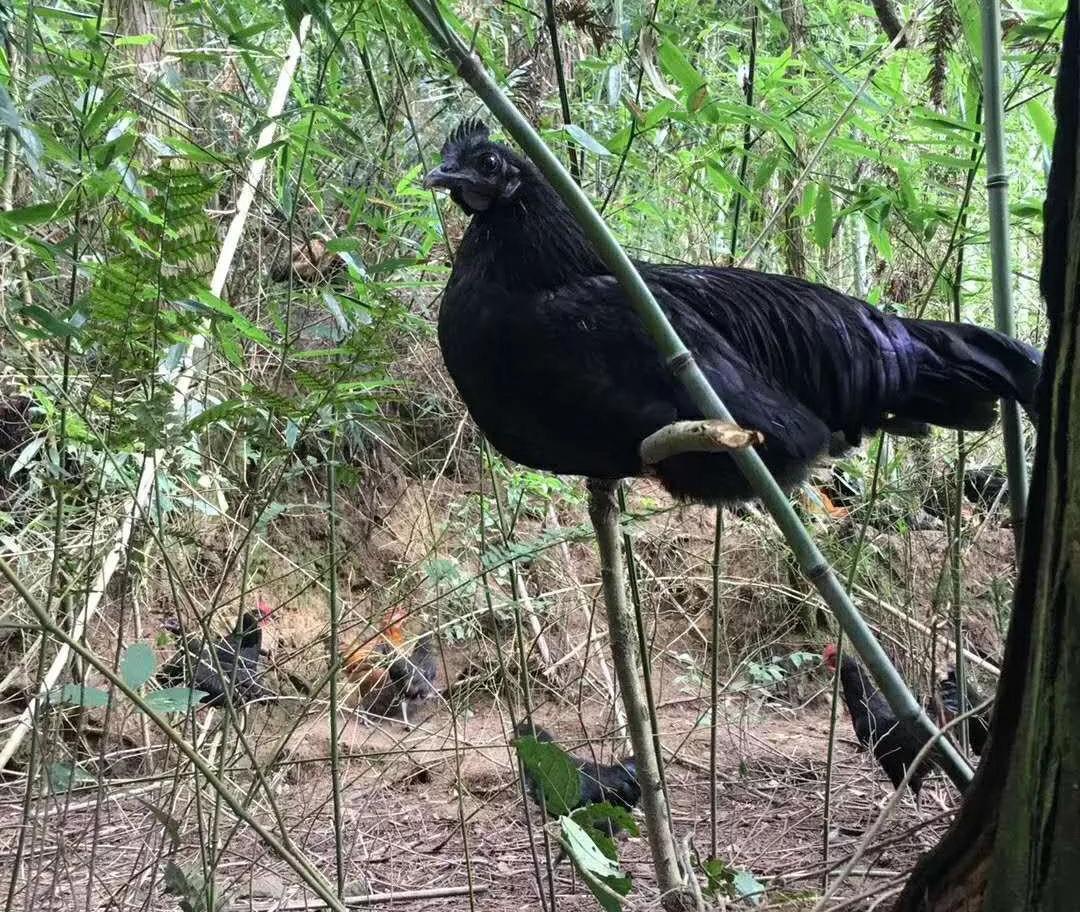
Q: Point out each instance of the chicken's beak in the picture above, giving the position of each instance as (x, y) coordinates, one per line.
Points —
(443, 177)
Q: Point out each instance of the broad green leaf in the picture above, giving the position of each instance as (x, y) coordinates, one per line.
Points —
(676, 64)
(1043, 121)
(593, 814)
(584, 139)
(607, 882)
(174, 699)
(37, 214)
(823, 217)
(748, 887)
(585, 852)
(80, 695)
(553, 771)
(137, 665)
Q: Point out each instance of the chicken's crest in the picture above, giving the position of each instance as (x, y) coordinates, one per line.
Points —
(471, 129)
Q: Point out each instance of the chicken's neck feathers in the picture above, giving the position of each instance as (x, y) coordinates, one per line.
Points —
(532, 244)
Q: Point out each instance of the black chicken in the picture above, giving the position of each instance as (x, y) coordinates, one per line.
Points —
(237, 655)
(559, 373)
(978, 725)
(615, 783)
(408, 680)
(895, 744)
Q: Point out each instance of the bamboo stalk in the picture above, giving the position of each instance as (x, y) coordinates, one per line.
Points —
(136, 507)
(997, 190)
(685, 370)
(604, 511)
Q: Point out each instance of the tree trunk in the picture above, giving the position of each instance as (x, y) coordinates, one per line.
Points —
(1015, 844)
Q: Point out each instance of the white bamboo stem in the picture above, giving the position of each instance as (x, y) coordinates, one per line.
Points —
(137, 505)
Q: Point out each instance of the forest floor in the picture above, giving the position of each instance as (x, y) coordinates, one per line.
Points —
(440, 806)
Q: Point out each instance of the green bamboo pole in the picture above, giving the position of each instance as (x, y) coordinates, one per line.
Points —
(997, 190)
(685, 369)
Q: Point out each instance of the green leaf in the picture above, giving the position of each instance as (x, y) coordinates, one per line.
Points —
(37, 214)
(174, 699)
(823, 217)
(608, 883)
(584, 139)
(585, 852)
(553, 771)
(676, 64)
(137, 665)
(604, 812)
(80, 695)
(269, 149)
(242, 324)
(1043, 121)
(748, 887)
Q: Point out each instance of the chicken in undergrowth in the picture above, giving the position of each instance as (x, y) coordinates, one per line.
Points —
(390, 678)
(558, 371)
(614, 783)
(894, 743)
(978, 725)
(232, 665)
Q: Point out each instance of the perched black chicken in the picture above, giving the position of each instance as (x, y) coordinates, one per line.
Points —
(895, 744)
(237, 655)
(978, 725)
(614, 783)
(558, 371)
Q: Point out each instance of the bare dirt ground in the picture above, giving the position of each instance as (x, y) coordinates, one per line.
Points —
(440, 806)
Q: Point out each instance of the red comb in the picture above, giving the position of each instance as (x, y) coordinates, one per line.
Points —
(264, 608)
(829, 655)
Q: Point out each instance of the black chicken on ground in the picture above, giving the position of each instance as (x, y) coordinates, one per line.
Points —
(614, 783)
(232, 665)
(408, 681)
(978, 725)
(558, 371)
(894, 743)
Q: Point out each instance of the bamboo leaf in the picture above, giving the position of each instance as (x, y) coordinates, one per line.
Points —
(823, 217)
(137, 665)
(584, 139)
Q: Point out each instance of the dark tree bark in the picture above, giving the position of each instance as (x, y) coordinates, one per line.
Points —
(1015, 844)
(889, 20)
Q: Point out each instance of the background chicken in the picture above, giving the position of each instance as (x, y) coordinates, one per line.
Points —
(615, 783)
(389, 677)
(895, 743)
(232, 664)
(978, 725)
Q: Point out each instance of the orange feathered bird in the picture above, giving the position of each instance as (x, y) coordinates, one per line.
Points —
(386, 677)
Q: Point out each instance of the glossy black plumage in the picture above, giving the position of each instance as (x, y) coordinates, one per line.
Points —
(409, 680)
(615, 783)
(895, 744)
(237, 655)
(559, 373)
(978, 725)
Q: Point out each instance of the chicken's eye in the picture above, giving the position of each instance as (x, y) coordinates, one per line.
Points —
(488, 163)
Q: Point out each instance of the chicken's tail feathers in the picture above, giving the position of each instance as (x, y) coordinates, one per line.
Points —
(962, 372)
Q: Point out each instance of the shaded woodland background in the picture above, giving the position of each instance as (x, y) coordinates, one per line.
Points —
(791, 139)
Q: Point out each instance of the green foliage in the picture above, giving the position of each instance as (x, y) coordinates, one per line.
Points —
(553, 772)
(137, 665)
